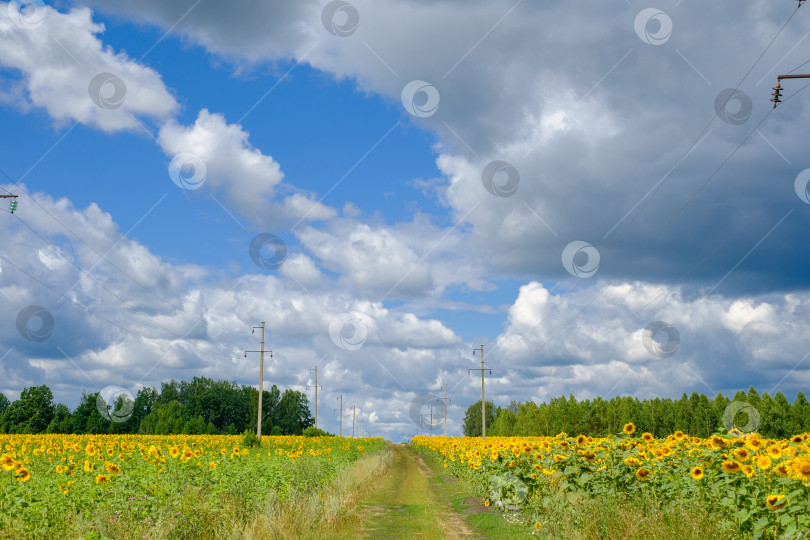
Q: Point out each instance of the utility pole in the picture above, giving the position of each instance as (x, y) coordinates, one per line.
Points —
(13, 204)
(483, 403)
(316, 393)
(444, 386)
(261, 380)
(341, 415)
(777, 90)
(431, 421)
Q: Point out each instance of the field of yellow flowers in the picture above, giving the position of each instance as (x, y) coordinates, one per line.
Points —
(47, 479)
(761, 485)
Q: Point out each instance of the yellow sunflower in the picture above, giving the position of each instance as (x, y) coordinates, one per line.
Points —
(776, 502)
(7, 462)
(741, 453)
(629, 428)
(763, 462)
(696, 473)
(101, 478)
(717, 442)
(731, 466)
(647, 436)
(24, 475)
(632, 461)
(782, 470)
(642, 473)
(800, 467)
(112, 468)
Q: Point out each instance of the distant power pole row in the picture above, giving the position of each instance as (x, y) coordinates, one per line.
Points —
(316, 386)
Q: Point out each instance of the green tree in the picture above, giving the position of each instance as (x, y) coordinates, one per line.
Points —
(472, 418)
(293, 415)
(4, 403)
(504, 424)
(31, 413)
(62, 421)
(86, 418)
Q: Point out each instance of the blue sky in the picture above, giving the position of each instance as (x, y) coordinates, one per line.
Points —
(403, 252)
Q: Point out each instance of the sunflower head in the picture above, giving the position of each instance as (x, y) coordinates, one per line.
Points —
(800, 467)
(763, 462)
(629, 428)
(643, 473)
(717, 442)
(697, 473)
(776, 502)
(24, 475)
(731, 466)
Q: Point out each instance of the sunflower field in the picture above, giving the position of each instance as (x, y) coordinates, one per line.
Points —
(761, 486)
(46, 480)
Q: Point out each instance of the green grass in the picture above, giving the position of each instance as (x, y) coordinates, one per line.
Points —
(403, 505)
(567, 517)
(484, 522)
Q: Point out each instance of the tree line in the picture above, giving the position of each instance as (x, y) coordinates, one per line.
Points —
(199, 406)
(696, 415)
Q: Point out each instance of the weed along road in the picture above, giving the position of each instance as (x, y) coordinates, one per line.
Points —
(405, 504)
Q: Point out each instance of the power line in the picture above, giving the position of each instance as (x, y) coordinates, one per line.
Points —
(658, 187)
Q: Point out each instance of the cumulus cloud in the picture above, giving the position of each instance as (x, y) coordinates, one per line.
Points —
(63, 67)
(590, 341)
(219, 156)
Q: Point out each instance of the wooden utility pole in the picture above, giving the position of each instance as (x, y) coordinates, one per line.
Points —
(341, 415)
(316, 393)
(483, 403)
(261, 379)
(777, 90)
(444, 386)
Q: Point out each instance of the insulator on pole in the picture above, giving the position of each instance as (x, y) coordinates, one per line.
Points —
(777, 93)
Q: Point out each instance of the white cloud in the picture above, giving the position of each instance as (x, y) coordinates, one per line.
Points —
(59, 59)
(248, 179)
